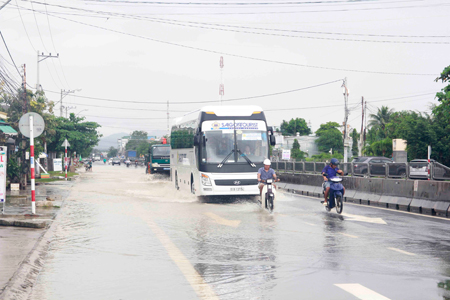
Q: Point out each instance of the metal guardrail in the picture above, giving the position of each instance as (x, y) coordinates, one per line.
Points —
(415, 170)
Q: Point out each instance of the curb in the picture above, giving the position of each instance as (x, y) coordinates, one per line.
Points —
(28, 223)
(21, 284)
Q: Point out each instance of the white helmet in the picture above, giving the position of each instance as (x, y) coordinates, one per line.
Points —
(267, 162)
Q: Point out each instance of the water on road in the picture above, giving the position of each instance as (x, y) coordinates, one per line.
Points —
(123, 234)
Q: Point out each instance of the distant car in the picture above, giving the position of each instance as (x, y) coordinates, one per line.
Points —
(116, 161)
(418, 168)
(376, 163)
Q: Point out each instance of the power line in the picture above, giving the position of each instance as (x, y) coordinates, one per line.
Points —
(242, 56)
(303, 11)
(53, 43)
(339, 105)
(7, 49)
(207, 101)
(230, 3)
(23, 24)
(224, 28)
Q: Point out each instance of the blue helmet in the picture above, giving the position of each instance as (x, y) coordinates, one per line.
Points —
(334, 161)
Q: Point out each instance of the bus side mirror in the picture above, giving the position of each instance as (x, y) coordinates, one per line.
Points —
(272, 140)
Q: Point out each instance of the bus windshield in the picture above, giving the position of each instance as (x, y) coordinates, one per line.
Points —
(161, 151)
(223, 141)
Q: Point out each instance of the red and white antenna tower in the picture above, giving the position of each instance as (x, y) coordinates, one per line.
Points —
(221, 86)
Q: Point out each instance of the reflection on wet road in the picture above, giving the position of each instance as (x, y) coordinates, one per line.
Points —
(126, 235)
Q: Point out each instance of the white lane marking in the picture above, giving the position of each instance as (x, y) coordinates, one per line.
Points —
(381, 208)
(222, 221)
(401, 251)
(198, 284)
(348, 235)
(361, 292)
(359, 218)
(310, 224)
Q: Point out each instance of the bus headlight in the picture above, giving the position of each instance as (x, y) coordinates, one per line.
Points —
(205, 180)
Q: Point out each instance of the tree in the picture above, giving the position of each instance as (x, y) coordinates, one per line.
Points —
(296, 153)
(441, 122)
(329, 138)
(112, 152)
(82, 136)
(355, 137)
(293, 126)
(380, 119)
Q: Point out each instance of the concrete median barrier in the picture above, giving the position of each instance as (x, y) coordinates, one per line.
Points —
(426, 197)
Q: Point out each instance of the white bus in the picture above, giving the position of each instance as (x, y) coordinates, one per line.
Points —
(218, 150)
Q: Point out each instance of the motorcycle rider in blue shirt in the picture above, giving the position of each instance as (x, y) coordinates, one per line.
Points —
(328, 172)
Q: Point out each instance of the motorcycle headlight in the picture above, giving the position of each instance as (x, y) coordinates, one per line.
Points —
(205, 180)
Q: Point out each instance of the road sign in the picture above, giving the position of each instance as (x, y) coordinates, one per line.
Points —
(38, 124)
(65, 143)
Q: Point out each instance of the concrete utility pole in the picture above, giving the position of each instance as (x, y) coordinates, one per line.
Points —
(346, 142)
(361, 138)
(168, 131)
(23, 170)
(44, 56)
(63, 94)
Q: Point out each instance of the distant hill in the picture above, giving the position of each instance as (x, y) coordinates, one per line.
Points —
(109, 141)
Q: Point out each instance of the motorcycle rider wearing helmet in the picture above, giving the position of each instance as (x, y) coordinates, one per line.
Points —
(265, 173)
(328, 172)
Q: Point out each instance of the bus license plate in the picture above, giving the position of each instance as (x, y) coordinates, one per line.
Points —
(237, 189)
(166, 169)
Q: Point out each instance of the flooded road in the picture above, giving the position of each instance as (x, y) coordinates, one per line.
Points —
(125, 235)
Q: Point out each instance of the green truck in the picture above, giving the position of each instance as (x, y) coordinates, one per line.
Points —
(158, 159)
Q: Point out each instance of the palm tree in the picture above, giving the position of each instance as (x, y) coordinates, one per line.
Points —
(381, 118)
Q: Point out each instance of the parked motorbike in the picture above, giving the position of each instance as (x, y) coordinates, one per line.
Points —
(336, 194)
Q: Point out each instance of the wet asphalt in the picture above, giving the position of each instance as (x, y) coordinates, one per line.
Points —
(123, 234)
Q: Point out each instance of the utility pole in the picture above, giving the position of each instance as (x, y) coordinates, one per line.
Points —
(168, 131)
(365, 126)
(44, 56)
(69, 107)
(361, 138)
(23, 169)
(346, 142)
(63, 94)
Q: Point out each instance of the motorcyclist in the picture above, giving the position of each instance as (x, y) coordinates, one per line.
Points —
(265, 173)
(104, 160)
(136, 163)
(90, 164)
(328, 172)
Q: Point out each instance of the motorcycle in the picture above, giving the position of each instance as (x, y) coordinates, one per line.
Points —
(268, 195)
(336, 194)
(88, 167)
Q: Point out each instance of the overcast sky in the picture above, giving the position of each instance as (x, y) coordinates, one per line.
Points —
(294, 54)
